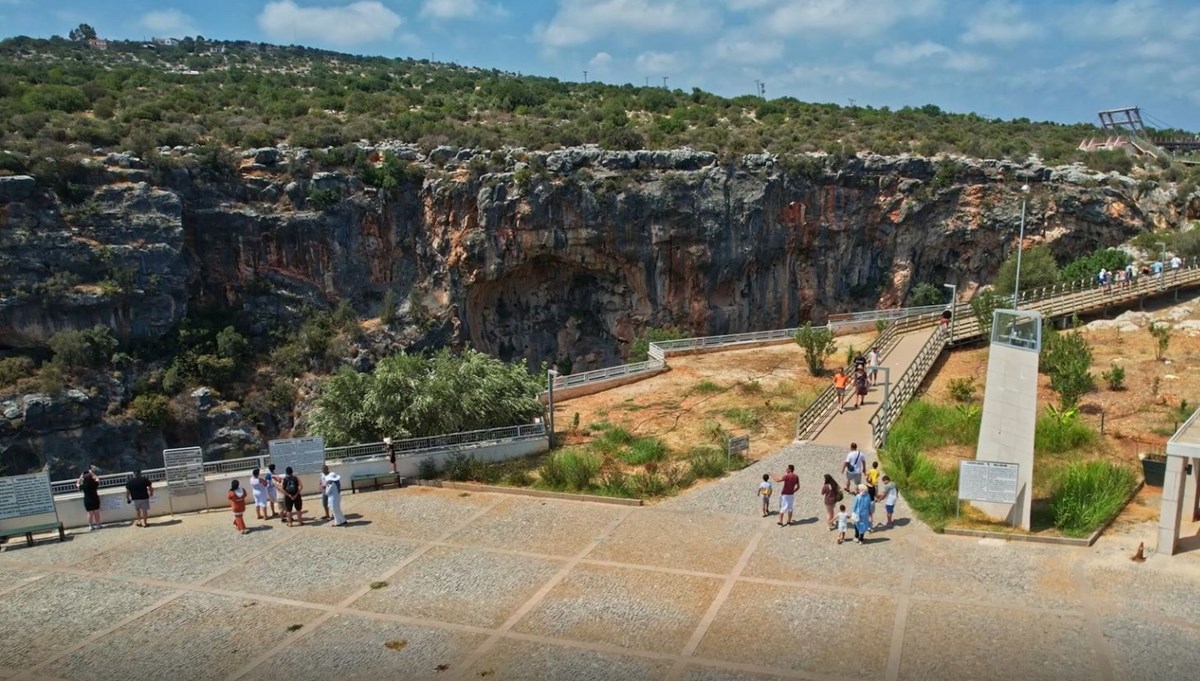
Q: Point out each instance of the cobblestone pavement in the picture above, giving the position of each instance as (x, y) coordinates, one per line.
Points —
(429, 583)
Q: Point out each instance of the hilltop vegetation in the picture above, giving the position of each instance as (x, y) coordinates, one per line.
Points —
(135, 96)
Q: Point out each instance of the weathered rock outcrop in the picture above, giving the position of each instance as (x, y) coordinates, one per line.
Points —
(561, 256)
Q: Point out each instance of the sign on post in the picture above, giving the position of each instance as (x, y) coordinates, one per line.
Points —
(303, 455)
(737, 445)
(26, 500)
(990, 481)
(185, 471)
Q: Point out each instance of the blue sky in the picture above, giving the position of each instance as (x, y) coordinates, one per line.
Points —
(1059, 60)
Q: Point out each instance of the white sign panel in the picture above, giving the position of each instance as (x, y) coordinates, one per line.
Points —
(25, 495)
(303, 455)
(991, 481)
(740, 444)
(185, 470)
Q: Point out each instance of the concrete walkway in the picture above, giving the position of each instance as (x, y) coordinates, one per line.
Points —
(854, 425)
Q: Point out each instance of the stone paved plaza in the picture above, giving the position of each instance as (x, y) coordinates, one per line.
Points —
(512, 587)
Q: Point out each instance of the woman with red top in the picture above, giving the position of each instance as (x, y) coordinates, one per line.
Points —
(237, 502)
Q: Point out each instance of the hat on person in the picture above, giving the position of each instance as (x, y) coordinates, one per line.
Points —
(862, 487)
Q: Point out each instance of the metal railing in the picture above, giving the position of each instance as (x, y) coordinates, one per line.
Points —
(907, 386)
(810, 421)
(619, 371)
(702, 342)
(854, 318)
(348, 454)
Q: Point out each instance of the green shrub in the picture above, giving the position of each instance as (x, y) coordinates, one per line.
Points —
(749, 419)
(643, 450)
(1088, 493)
(462, 467)
(962, 389)
(570, 469)
(647, 484)
(715, 432)
(615, 483)
(925, 294)
(427, 469)
(13, 369)
(1087, 267)
(324, 199)
(1162, 338)
(818, 344)
(612, 441)
(87, 349)
(1037, 269)
(707, 462)
(706, 388)
(641, 347)
(982, 306)
(152, 410)
(1061, 431)
(1115, 377)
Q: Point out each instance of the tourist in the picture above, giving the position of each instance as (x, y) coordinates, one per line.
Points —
(861, 514)
(860, 362)
(1130, 274)
(89, 484)
(332, 492)
(1175, 262)
(842, 518)
(138, 491)
(272, 482)
(946, 315)
(830, 494)
(872, 477)
(889, 496)
(787, 495)
(293, 501)
(391, 453)
(840, 381)
(258, 489)
(764, 491)
(853, 466)
(860, 387)
(237, 502)
(873, 361)
(324, 497)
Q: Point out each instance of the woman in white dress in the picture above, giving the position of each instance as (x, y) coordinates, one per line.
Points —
(332, 489)
(258, 488)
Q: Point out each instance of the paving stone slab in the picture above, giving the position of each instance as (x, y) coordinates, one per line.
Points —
(811, 553)
(463, 586)
(511, 660)
(691, 541)
(623, 607)
(350, 648)
(55, 612)
(945, 642)
(561, 528)
(718, 674)
(1146, 649)
(1136, 589)
(801, 629)
(324, 565)
(79, 546)
(421, 513)
(996, 571)
(196, 637)
(187, 551)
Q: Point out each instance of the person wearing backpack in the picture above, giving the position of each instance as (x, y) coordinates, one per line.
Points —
(293, 501)
(831, 494)
(853, 466)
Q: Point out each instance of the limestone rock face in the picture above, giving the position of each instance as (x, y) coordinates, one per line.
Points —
(563, 256)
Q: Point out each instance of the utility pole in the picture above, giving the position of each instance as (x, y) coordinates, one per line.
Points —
(762, 90)
(664, 82)
(757, 88)
(585, 75)
(647, 81)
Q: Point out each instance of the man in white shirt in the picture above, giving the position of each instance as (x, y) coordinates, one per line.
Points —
(889, 496)
(853, 467)
(1175, 262)
(873, 361)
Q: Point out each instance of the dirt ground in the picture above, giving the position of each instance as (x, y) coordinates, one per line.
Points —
(756, 391)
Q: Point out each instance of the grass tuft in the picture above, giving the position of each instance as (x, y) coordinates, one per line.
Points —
(1089, 493)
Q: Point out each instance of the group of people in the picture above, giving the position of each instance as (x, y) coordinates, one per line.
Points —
(862, 379)
(269, 492)
(267, 488)
(868, 485)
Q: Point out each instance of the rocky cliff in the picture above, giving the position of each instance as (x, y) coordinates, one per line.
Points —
(563, 256)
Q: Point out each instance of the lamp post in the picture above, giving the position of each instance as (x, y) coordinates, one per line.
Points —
(1020, 247)
(953, 306)
(887, 386)
(550, 375)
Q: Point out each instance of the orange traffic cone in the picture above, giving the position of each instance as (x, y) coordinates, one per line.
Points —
(1140, 556)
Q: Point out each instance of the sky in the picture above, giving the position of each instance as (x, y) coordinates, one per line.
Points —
(1057, 60)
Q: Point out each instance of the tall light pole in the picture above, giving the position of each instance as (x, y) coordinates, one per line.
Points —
(1020, 247)
(550, 375)
(953, 306)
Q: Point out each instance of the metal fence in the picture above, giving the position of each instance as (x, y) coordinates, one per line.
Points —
(810, 421)
(601, 375)
(349, 454)
(855, 318)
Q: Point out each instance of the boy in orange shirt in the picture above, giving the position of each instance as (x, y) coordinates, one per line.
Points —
(840, 381)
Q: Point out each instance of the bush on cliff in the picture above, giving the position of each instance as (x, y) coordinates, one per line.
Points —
(640, 351)
(87, 349)
(418, 396)
(1037, 269)
(818, 344)
(926, 294)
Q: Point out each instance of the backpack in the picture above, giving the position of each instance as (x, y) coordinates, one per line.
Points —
(291, 484)
(841, 495)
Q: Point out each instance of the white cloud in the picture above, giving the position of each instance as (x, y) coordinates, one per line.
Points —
(745, 49)
(1000, 23)
(903, 54)
(578, 22)
(858, 18)
(602, 60)
(1121, 19)
(168, 23)
(459, 9)
(657, 63)
(360, 22)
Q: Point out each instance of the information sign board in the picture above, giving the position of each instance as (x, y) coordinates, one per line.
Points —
(26, 495)
(739, 444)
(185, 471)
(991, 481)
(303, 455)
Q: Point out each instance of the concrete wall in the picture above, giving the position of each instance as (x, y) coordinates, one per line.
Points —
(114, 509)
(1009, 416)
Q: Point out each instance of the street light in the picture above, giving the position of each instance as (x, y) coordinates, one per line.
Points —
(887, 386)
(550, 375)
(1020, 247)
(953, 306)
